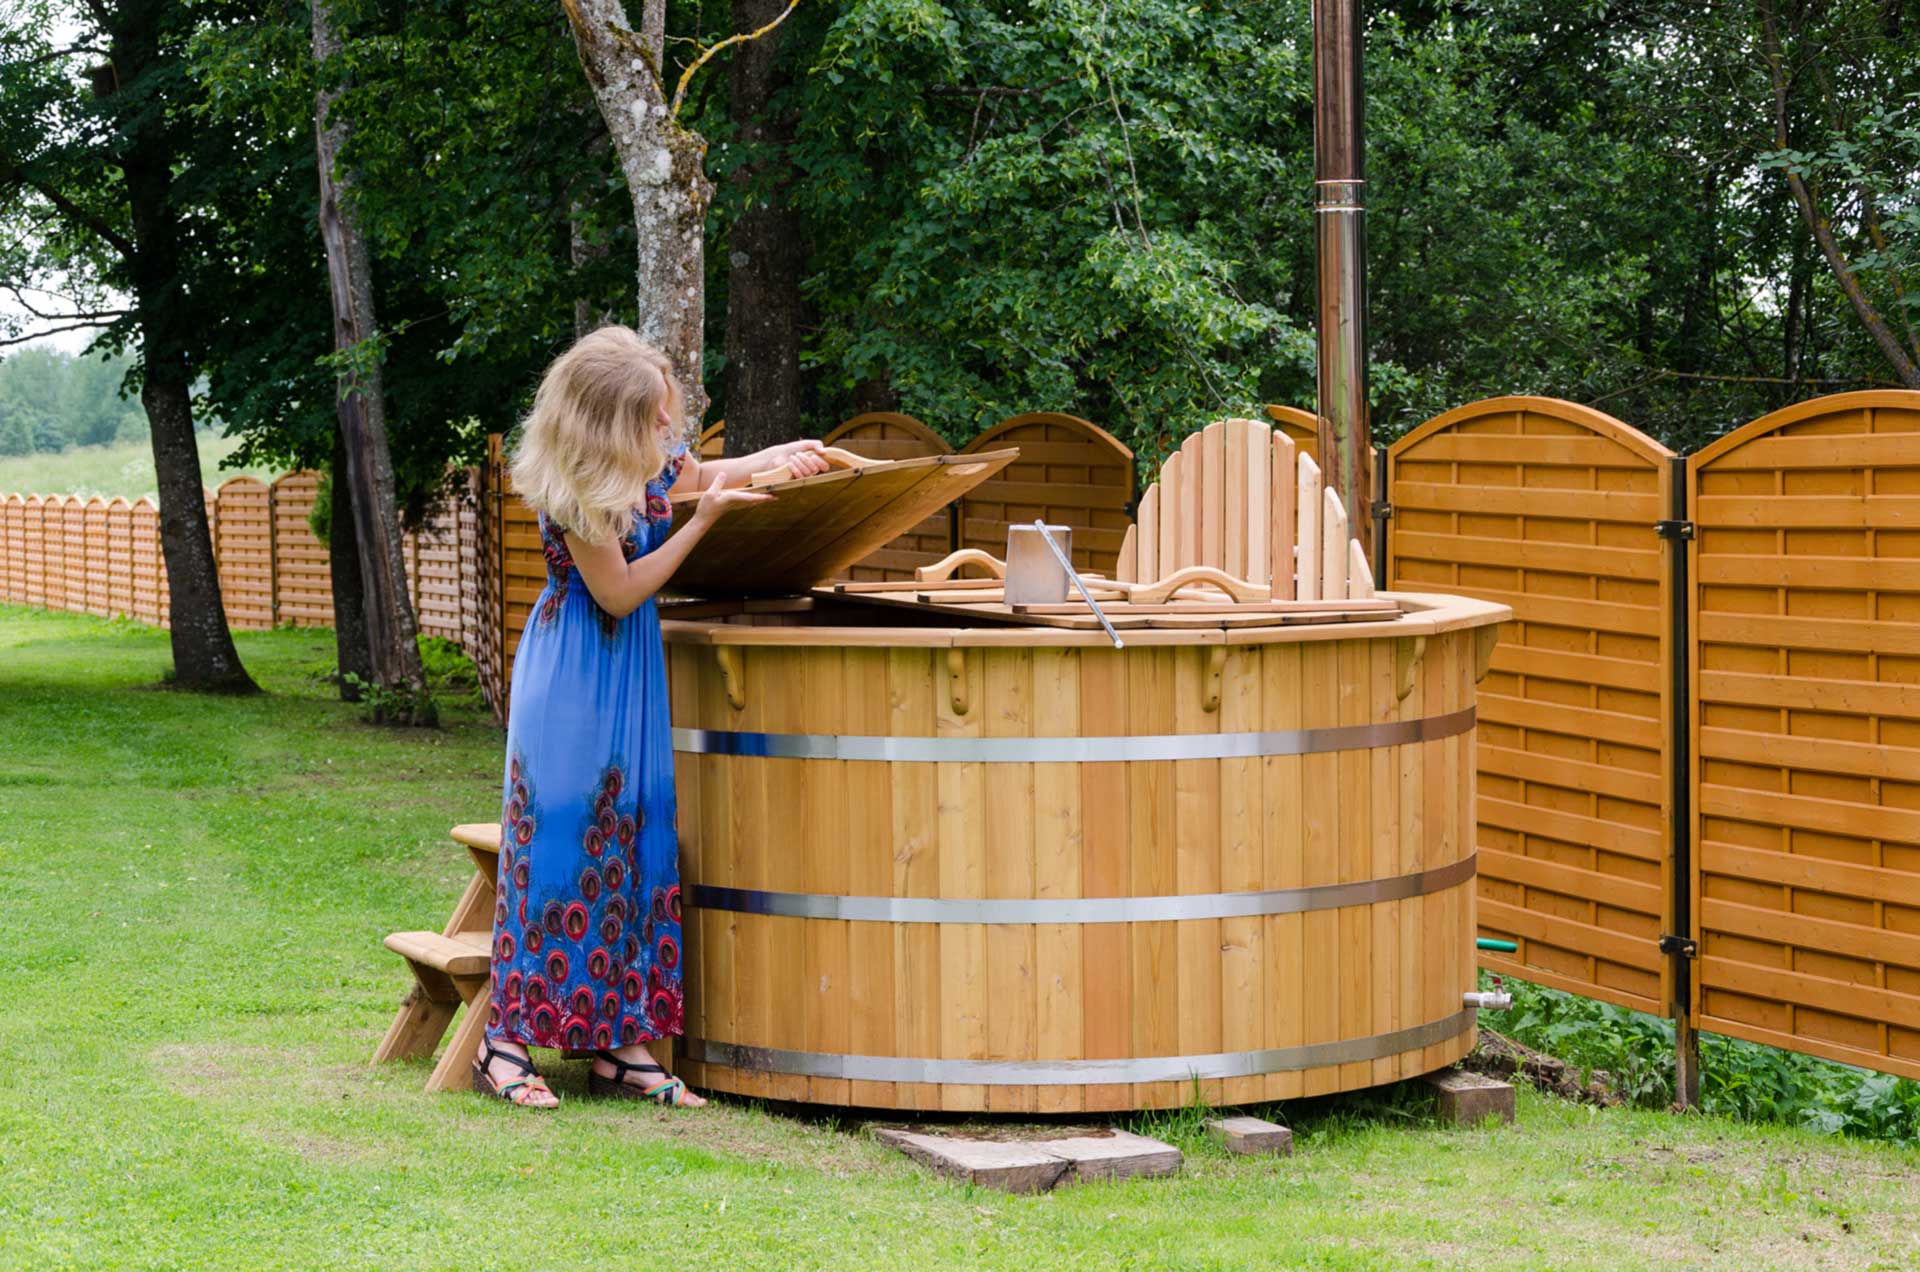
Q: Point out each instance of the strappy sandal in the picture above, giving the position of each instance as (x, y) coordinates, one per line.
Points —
(667, 1093)
(484, 1083)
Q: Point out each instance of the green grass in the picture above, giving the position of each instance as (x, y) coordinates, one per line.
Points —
(192, 896)
(124, 468)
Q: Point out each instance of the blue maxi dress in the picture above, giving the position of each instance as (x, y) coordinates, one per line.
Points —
(586, 934)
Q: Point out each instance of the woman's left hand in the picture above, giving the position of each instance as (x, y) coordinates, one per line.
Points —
(803, 457)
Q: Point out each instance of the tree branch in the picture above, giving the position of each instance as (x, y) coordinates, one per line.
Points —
(993, 90)
(6, 341)
(686, 76)
(78, 215)
(1842, 269)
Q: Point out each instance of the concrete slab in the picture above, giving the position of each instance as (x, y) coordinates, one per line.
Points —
(1010, 1165)
(1251, 1136)
(1467, 1099)
(1119, 1155)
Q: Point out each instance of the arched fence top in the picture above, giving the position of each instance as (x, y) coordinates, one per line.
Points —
(240, 482)
(888, 426)
(992, 437)
(95, 501)
(118, 501)
(1301, 426)
(1598, 422)
(1802, 412)
(712, 442)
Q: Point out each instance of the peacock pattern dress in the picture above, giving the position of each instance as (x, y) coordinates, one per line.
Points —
(586, 932)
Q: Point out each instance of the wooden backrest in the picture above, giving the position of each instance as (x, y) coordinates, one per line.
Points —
(1238, 496)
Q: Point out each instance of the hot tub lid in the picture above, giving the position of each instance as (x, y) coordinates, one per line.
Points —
(818, 526)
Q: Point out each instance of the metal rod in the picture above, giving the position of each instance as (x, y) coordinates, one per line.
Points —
(1041, 526)
(1339, 169)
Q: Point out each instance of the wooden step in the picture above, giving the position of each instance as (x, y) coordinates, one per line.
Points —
(482, 835)
(464, 954)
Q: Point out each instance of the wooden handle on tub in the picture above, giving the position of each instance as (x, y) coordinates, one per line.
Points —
(949, 565)
(1238, 589)
(834, 456)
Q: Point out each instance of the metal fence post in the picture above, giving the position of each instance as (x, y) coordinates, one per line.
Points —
(1680, 943)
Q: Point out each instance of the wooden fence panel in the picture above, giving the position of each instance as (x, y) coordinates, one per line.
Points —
(886, 435)
(1070, 471)
(1550, 508)
(302, 574)
(94, 528)
(1806, 729)
(523, 572)
(73, 536)
(243, 545)
(119, 558)
(33, 549)
(53, 550)
(436, 573)
(13, 550)
(713, 442)
(148, 569)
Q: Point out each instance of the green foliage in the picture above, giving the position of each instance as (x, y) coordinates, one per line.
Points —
(50, 401)
(1738, 1079)
(1054, 206)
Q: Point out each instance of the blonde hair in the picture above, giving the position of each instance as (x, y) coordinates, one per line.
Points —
(592, 441)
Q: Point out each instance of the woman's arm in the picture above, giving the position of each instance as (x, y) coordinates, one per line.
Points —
(697, 474)
(620, 586)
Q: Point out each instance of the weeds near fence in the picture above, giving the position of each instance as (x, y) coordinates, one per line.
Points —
(1743, 1080)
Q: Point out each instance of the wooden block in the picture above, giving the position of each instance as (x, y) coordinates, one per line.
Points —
(1251, 1136)
(1009, 1165)
(1119, 1155)
(1467, 1099)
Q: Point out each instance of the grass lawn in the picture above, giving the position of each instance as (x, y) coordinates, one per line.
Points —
(193, 894)
(124, 468)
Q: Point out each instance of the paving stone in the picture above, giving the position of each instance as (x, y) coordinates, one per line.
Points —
(1120, 1155)
(1467, 1099)
(1252, 1136)
(1009, 1165)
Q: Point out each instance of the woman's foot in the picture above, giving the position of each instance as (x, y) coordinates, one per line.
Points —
(503, 1070)
(632, 1073)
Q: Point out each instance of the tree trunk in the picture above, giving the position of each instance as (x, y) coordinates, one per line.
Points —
(766, 312)
(204, 657)
(1804, 198)
(393, 645)
(665, 167)
(351, 650)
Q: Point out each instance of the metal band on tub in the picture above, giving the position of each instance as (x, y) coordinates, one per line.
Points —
(1073, 750)
(1161, 909)
(1221, 1064)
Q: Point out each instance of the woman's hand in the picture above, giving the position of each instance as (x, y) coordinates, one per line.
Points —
(803, 457)
(718, 499)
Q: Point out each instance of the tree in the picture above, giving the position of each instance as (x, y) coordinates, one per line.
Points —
(363, 465)
(665, 166)
(766, 256)
(1854, 37)
(97, 178)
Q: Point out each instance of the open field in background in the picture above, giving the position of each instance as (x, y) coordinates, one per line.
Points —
(125, 468)
(192, 896)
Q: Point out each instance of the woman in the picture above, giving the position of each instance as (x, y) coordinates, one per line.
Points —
(586, 934)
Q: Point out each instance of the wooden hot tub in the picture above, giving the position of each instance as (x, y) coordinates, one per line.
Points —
(937, 866)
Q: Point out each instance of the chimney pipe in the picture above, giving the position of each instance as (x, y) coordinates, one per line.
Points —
(1339, 215)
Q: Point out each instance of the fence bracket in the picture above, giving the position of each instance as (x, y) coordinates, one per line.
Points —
(1684, 946)
(1682, 530)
